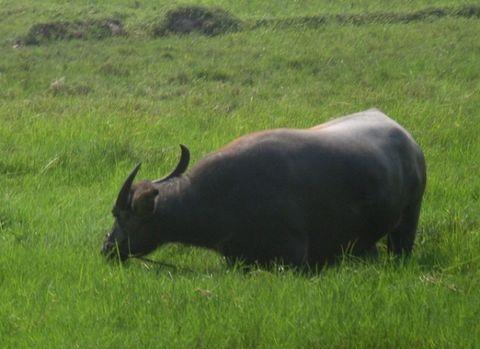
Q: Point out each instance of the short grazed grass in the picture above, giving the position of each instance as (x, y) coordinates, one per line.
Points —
(77, 115)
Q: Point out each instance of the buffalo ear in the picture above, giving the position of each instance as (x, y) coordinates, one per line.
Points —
(143, 200)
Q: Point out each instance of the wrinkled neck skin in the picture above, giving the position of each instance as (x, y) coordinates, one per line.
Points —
(182, 217)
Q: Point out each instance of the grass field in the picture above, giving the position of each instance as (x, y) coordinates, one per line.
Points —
(76, 115)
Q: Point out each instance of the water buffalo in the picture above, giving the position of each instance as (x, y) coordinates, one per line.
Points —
(297, 196)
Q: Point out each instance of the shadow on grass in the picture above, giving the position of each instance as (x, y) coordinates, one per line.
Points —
(14, 170)
(345, 262)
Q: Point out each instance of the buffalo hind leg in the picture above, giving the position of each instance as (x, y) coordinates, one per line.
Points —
(400, 240)
(293, 254)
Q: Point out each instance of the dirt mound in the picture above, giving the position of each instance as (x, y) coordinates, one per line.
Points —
(428, 14)
(206, 21)
(90, 29)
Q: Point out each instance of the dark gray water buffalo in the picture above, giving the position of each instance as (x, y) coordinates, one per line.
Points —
(301, 197)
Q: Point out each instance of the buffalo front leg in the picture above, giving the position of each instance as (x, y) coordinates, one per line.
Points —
(284, 250)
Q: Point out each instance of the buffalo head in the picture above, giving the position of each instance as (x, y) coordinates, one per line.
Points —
(133, 232)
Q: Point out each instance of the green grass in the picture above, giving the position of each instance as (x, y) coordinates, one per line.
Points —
(65, 150)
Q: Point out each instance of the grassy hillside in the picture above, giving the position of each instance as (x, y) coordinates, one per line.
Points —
(76, 115)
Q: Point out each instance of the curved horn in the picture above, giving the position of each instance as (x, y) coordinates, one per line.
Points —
(122, 199)
(181, 166)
